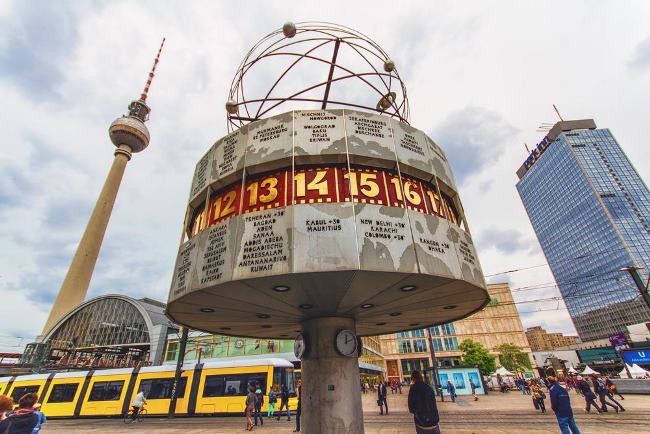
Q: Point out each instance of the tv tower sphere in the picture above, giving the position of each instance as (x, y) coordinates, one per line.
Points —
(130, 131)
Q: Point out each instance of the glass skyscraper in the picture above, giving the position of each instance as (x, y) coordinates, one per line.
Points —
(591, 212)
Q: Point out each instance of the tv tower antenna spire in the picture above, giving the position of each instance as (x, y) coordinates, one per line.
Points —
(129, 135)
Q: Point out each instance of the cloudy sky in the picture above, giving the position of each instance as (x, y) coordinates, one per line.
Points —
(481, 77)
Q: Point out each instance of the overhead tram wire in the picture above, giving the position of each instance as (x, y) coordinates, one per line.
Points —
(583, 256)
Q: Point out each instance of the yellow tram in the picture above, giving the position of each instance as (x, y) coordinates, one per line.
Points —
(212, 388)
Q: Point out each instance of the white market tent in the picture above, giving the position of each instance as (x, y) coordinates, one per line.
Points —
(503, 372)
(588, 371)
(635, 370)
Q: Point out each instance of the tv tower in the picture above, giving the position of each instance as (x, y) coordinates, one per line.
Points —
(129, 135)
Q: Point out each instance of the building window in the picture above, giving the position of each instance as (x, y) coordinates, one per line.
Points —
(448, 329)
(437, 344)
(451, 344)
(404, 346)
(435, 330)
(106, 391)
(419, 346)
(161, 388)
(411, 365)
(233, 385)
(417, 333)
(63, 392)
(19, 391)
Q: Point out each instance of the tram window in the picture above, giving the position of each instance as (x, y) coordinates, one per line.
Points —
(233, 385)
(63, 393)
(106, 391)
(161, 388)
(19, 391)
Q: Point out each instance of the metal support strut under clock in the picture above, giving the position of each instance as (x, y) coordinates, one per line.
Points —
(331, 388)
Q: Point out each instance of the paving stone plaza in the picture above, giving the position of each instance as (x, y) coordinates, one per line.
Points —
(495, 413)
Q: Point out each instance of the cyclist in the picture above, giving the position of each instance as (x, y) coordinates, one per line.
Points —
(138, 402)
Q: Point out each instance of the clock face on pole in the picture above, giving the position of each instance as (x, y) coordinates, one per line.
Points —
(346, 343)
(299, 346)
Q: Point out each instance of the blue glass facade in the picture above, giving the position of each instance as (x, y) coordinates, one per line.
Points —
(591, 212)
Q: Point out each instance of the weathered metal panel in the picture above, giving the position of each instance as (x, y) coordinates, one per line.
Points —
(229, 157)
(319, 136)
(370, 139)
(412, 151)
(440, 164)
(201, 175)
(435, 251)
(384, 239)
(184, 269)
(216, 249)
(324, 238)
(270, 143)
(469, 265)
(263, 243)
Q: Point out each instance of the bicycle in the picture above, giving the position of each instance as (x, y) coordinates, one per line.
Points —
(128, 417)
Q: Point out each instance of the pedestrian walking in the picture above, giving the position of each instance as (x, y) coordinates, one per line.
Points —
(451, 389)
(422, 404)
(611, 389)
(590, 398)
(41, 418)
(250, 408)
(284, 401)
(22, 420)
(299, 410)
(273, 398)
(381, 398)
(473, 386)
(259, 402)
(538, 396)
(601, 390)
(527, 384)
(366, 387)
(399, 387)
(561, 405)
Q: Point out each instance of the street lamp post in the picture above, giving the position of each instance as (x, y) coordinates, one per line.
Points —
(434, 365)
(177, 374)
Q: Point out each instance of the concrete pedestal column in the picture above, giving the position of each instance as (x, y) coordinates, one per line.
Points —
(331, 392)
(75, 285)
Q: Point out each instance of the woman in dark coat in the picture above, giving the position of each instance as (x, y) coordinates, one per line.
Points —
(422, 404)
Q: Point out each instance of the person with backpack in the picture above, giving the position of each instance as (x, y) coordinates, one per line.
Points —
(24, 419)
(422, 404)
(273, 398)
(259, 402)
(284, 402)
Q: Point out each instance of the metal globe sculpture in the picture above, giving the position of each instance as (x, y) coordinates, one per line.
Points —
(315, 65)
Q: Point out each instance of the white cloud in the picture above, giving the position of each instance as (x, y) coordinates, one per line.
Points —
(510, 61)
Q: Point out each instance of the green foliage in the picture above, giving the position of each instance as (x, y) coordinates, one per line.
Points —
(475, 354)
(512, 358)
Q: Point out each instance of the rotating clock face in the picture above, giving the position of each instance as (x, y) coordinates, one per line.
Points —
(299, 346)
(346, 343)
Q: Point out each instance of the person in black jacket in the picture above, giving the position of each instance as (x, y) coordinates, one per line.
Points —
(24, 419)
(422, 404)
(381, 398)
(601, 390)
(590, 398)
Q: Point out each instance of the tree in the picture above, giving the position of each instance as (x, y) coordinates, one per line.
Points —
(475, 354)
(512, 358)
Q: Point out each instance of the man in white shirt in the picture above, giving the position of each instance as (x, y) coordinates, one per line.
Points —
(137, 404)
